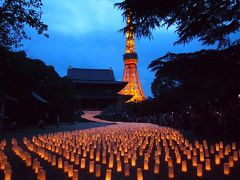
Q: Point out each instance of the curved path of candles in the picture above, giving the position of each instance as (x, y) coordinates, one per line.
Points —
(90, 115)
(120, 151)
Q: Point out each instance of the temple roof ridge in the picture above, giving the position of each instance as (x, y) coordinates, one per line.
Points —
(85, 74)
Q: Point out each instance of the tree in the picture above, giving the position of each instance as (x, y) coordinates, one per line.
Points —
(21, 76)
(211, 21)
(15, 15)
(197, 77)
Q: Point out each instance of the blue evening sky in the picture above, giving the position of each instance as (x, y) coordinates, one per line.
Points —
(84, 34)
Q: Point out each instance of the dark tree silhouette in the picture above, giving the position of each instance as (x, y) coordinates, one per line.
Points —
(15, 16)
(21, 76)
(199, 76)
(209, 20)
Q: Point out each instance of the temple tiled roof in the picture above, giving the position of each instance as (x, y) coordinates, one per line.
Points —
(90, 74)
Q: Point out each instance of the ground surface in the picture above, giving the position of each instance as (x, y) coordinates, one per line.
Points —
(112, 135)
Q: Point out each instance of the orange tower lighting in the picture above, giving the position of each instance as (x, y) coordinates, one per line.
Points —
(130, 73)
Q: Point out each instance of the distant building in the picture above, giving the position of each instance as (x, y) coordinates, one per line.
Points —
(5, 102)
(97, 88)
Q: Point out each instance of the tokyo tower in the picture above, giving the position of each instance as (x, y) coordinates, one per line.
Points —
(130, 73)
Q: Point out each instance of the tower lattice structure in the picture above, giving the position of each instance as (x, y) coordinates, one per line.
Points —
(130, 73)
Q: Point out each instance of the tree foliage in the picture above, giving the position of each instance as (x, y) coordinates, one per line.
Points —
(15, 16)
(197, 77)
(211, 21)
(20, 76)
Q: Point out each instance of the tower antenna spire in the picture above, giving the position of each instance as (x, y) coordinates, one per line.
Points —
(130, 45)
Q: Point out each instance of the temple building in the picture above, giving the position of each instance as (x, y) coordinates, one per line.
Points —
(97, 88)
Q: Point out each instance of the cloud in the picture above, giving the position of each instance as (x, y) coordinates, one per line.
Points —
(81, 16)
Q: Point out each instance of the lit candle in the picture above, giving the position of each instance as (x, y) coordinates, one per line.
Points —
(91, 167)
(170, 172)
(8, 175)
(234, 145)
(77, 160)
(38, 173)
(45, 156)
(157, 159)
(126, 170)
(60, 151)
(7, 167)
(226, 169)
(34, 163)
(221, 155)
(201, 156)
(122, 152)
(189, 154)
(166, 156)
(98, 170)
(29, 161)
(199, 170)
(156, 169)
(42, 174)
(2, 163)
(125, 158)
(83, 163)
(108, 174)
(194, 161)
(133, 161)
(208, 165)
(221, 144)
(207, 153)
(37, 166)
(49, 157)
(60, 163)
(119, 166)
(72, 159)
(184, 150)
(110, 163)
(67, 155)
(178, 159)
(226, 151)
(230, 161)
(91, 154)
(118, 156)
(235, 155)
(104, 160)
(84, 153)
(217, 159)
(79, 151)
(170, 163)
(217, 147)
(98, 156)
(194, 151)
(70, 171)
(53, 160)
(184, 166)
(146, 156)
(65, 167)
(146, 165)
(139, 174)
(75, 174)
(212, 149)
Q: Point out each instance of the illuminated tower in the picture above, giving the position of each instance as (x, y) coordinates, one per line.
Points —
(130, 73)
